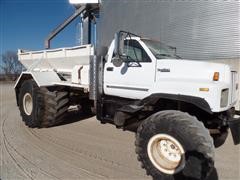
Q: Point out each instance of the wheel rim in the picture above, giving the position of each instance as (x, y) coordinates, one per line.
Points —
(166, 153)
(27, 104)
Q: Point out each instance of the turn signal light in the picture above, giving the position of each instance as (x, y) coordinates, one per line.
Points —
(216, 76)
(204, 89)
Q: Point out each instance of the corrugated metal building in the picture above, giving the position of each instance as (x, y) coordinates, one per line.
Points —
(201, 30)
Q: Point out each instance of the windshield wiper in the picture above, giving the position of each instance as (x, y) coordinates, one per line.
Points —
(165, 55)
(168, 55)
(178, 57)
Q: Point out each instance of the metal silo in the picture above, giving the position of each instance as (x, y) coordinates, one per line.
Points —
(201, 30)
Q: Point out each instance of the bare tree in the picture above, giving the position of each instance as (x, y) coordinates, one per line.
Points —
(10, 65)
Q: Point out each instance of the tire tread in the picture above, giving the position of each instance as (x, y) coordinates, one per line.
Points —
(185, 122)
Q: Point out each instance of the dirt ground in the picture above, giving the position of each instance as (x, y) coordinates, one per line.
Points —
(79, 149)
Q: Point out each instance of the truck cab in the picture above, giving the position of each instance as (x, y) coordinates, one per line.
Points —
(151, 67)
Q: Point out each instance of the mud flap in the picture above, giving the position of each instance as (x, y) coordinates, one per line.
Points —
(234, 125)
(124, 113)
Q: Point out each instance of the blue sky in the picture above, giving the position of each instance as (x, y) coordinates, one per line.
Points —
(24, 24)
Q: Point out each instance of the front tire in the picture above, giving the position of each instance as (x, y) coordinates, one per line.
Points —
(219, 139)
(172, 145)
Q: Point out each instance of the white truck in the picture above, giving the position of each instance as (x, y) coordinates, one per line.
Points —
(180, 108)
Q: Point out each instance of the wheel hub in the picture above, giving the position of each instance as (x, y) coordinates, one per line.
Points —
(27, 104)
(166, 153)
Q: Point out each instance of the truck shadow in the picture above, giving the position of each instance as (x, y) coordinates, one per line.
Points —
(213, 175)
(73, 117)
(76, 116)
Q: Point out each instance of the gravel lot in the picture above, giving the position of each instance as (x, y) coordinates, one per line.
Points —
(81, 149)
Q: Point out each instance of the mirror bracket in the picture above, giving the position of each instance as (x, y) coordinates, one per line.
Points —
(119, 38)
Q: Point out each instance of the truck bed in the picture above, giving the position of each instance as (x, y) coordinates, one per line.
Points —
(61, 59)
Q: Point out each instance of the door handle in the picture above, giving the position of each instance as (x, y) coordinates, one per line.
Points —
(109, 68)
(164, 70)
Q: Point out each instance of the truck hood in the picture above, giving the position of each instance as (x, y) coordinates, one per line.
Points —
(191, 70)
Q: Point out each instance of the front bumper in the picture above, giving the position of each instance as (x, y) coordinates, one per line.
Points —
(234, 125)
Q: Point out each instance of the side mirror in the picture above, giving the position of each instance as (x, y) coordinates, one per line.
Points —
(119, 44)
(117, 61)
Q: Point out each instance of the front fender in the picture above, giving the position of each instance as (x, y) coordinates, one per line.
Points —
(197, 101)
(193, 88)
(41, 79)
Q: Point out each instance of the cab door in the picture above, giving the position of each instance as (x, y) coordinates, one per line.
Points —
(133, 79)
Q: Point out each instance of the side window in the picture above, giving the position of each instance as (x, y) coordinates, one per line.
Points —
(135, 51)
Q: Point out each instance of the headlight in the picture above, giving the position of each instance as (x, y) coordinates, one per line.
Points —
(224, 98)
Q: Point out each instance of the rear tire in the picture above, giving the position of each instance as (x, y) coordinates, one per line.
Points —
(186, 134)
(53, 107)
(40, 107)
(27, 103)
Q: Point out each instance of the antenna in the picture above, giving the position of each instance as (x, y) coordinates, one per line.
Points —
(78, 33)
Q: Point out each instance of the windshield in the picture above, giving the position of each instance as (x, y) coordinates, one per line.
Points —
(160, 50)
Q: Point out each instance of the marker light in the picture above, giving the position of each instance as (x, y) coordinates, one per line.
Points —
(204, 89)
(216, 76)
